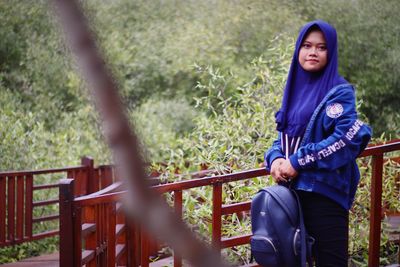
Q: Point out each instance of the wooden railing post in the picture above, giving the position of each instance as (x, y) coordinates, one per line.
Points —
(111, 238)
(133, 242)
(375, 210)
(19, 233)
(28, 205)
(145, 253)
(11, 208)
(92, 183)
(90, 236)
(106, 177)
(178, 212)
(66, 223)
(216, 215)
(3, 195)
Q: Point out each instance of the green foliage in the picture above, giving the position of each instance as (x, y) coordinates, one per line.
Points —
(27, 144)
(153, 48)
(19, 20)
(242, 125)
(233, 137)
(160, 123)
(34, 66)
(153, 45)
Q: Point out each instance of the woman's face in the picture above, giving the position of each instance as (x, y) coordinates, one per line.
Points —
(313, 54)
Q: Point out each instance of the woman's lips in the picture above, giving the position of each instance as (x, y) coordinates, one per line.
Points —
(312, 60)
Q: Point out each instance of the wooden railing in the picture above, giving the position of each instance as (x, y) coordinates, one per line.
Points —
(137, 248)
(101, 226)
(20, 200)
(95, 232)
(377, 152)
(25, 195)
(76, 253)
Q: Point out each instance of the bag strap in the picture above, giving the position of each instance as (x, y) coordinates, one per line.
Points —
(304, 246)
(281, 203)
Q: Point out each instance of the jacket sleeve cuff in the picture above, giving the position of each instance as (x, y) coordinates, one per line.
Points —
(294, 161)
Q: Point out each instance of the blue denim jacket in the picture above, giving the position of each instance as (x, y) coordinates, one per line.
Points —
(326, 159)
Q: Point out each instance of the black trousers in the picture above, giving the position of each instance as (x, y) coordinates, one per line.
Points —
(328, 223)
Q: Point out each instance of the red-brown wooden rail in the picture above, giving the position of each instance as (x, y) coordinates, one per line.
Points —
(101, 226)
(133, 258)
(19, 189)
(96, 233)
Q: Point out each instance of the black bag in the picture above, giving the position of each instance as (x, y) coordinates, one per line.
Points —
(279, 237)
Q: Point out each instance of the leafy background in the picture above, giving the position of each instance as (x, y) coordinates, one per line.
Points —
(201, 81)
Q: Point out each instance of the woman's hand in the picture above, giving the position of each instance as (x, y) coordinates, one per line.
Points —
(286, 170)
(276, 170)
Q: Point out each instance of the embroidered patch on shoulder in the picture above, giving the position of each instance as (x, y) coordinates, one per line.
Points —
(334, 110)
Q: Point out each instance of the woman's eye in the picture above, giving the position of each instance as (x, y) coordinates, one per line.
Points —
(306, 45)
(322, 48)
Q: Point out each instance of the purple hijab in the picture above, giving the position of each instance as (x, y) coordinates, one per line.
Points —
(305, 90)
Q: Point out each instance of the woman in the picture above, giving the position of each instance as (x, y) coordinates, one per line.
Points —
(319, 139)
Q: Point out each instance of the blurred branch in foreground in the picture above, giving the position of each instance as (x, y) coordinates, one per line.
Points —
(144, 205)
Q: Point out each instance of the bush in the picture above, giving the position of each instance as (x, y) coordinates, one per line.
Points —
(153, 45)
(25, 143)
(234, 137)
(160, 123)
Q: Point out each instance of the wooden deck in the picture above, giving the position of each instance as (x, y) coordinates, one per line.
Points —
(49, 260)
(52, 260)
